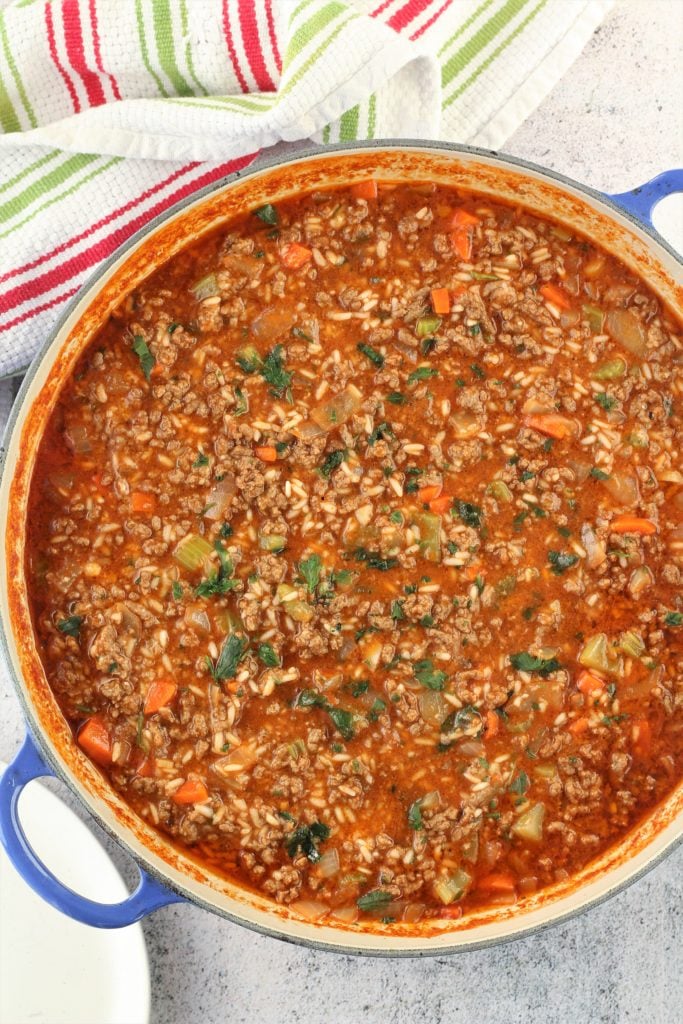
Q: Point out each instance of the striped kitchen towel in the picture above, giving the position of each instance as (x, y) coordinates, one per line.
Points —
(113, 110)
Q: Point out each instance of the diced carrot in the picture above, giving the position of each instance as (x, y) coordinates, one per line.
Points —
(429, 492)
(557, 295)
(293, 256)
(193, 791)
(156, 370)
(578, 726)
(633, 524)
(160, 693)
(452, 912)
(463, 219)
(364, 189)
(94, 739)
(441, 301)
(552, 425)
(472, 571)
(588, 683)
(266, 454)
(142, 501)
(441, 504)
(641, 731)
(145, 765)
(461, 240)
(497, 882)
(492, 725)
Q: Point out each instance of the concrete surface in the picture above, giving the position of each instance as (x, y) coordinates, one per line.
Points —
(615, 120)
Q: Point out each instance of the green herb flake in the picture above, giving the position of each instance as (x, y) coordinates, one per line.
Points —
(201, 460)
(376, 899)
(267, 213)
(71, 626)
(606, 401)
(673, 619)
(477, 370)
(397, 612)
(371, 353)
(470, 514)
(422, 373)
(273, 372)
(232, 652)
(305, 839)
(525, 662)
(268, 655)
(177, 590)
(309, 569)
(147, 360)
(520, 784)
(332, 461)
(428, 676)
(396, 398)
(415, 816)
(598, 474)
(560, 561)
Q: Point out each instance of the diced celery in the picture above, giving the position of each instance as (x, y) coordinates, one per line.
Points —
(632, 644)
(274, 542)
(529, 825)
(611, 370)
(597, 653)
(427, 325)
(229, 621)
(297, 609)
(499, 490)
(453, 888)
(192, 551)
(248, 358)
(429, 525)
(638, 438)
(626, 328)
(205, 287)
(596, 319)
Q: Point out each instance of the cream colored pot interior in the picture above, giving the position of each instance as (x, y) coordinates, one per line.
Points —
(486, 174)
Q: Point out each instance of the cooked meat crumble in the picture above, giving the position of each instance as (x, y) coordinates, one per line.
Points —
(355, 552)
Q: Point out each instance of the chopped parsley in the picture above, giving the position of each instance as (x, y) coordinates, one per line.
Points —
(221, 580)
(309, 569)
(606, 401)
(477, 370)
(342, 719)
(520, 784)
(673, 619)
(372, 354)
(232, 652)
(415, 816)
(176, 590)
(470, 514)
(71, 626)
(305, 838)
(273, 372)
(560, 561)
(332, 462)
(422, 373)
(376, 899)
(267, 213)
(147, 360)
(201, 460)
(374, 560)
(430, 677)
(598, 474)
(525, 662)
(397, 612)
(396, 398)
(268, 655)
(381, 432)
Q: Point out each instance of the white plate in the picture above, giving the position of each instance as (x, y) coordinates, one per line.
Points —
(52, 969)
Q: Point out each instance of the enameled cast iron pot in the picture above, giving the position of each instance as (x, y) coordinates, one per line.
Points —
(619, 223)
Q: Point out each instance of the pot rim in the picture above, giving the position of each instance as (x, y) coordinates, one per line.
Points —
(279, 930)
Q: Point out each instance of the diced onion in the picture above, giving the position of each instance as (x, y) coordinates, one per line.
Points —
(624, 488)
(219, 497)
(626, 328)
(595, 549)
(205, 287)
(641, 579)
(338, 409)
(197, 617)
(465, 424)
(329, 863)
(433, 707)
(529, 825)
(312, 910)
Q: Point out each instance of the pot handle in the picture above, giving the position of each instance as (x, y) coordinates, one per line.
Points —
(148, 896)
(641, 201)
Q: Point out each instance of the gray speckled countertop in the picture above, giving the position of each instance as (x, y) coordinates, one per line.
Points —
(614, 121)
